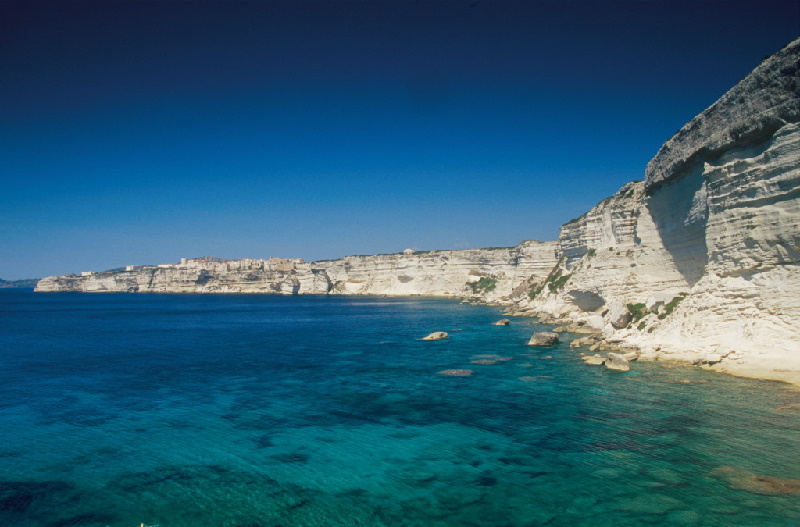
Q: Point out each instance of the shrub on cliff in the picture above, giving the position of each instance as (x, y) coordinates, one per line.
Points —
(484, 285)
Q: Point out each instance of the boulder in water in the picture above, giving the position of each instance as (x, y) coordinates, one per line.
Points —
(617, 362)
(436, 335)
(456, 373)
(593, 360)
(544, 338)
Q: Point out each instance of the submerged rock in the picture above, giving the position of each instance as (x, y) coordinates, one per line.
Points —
(593, 360)
(436, 335)
(484, 361)
(544, 339)
(456, 373)
(741, 479)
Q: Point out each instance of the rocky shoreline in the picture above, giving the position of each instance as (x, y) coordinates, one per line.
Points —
(699, 263)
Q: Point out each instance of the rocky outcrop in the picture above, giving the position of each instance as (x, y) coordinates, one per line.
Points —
(436, 335)
(619, 316)
(617, 362)
(543, 338)
(705, 252)
(456, 373)
(611, 253)
(486, 274)
(593, 360)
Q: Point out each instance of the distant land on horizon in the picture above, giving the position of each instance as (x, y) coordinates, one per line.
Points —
(18, 284)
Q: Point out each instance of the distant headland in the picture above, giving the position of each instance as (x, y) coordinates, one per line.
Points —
(27, 283)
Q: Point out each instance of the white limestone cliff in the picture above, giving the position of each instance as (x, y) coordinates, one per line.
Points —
(714, 231)
(488, 274)
(705, 252)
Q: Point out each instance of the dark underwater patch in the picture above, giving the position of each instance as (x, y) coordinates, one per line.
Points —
(88, 519)
(263, 441)
(486, 481)
(17, 496)
(294, 458)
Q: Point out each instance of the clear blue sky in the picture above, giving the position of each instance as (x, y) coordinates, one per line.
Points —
(142, 132)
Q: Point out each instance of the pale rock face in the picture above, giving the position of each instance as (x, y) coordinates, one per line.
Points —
(617, 362)
(718, 220)
(656, 301)
(619, 316)
(593, 360)
(611, 253)
(750, 112)
(443, 273)
(543, 338)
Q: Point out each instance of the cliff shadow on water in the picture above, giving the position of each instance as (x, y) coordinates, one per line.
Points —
(679, 209)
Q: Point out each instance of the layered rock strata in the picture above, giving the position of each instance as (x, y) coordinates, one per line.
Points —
(489, 274)
(705, 251)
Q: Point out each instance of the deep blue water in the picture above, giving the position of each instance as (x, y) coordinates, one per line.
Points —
(251, 410)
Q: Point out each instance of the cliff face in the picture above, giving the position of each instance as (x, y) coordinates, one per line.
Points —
(493, 273)
(749, 113)
(701, 261)
(612, 252)
(709, 242)
(490, 274)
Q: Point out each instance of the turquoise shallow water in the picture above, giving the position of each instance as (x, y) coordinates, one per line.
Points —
(249, 410)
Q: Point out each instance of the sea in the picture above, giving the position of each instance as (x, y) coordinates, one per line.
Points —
(169, 410)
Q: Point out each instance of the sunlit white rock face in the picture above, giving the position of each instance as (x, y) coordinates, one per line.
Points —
(705, 251)
(444, 272)
(613, 252)
(748, 297)
(493, 273)
(715, 225)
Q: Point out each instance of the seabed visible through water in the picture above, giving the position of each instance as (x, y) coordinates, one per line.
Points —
(249, 410)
